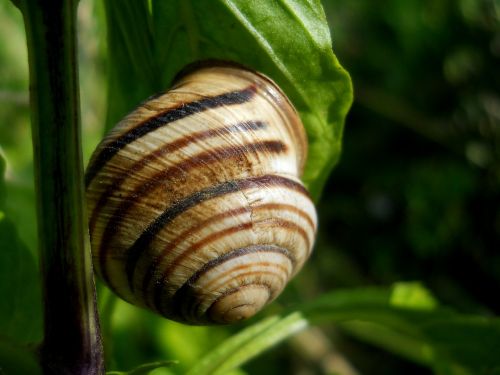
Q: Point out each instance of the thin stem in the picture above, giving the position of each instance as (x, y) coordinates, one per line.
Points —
(72, 342)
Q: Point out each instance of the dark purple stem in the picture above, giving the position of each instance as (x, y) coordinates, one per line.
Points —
(72, 341)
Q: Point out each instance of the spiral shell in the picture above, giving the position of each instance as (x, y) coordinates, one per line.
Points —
(195, 205)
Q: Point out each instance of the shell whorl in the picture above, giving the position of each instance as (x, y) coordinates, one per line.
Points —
(195, 204)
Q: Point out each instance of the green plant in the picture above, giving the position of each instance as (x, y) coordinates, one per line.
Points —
(148, 42)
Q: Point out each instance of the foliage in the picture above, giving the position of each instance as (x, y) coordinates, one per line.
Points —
(20, 312)
(179, 32)
(413, 198)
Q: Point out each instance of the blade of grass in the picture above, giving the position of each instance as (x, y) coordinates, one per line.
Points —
(213, 359)
(248, 343)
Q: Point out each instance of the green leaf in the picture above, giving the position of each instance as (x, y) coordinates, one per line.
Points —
(20, 208)
(448, 342)
(132, 72)
(248, 343)
(470, 341)
(20, 305)
(144, 369)
(412, 295)
(438, 337)
(300, 60)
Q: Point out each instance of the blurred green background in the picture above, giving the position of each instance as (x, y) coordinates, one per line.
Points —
(415, 197)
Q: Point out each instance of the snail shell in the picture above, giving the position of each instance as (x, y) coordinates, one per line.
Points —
(196, 209)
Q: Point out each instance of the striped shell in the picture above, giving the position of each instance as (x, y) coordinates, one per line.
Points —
(196, 209)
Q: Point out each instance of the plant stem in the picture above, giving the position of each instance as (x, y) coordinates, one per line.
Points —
(72, 342)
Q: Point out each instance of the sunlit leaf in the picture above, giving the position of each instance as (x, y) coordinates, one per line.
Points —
(449, 342)
(213, 360)
(300, 60)
(412, 295)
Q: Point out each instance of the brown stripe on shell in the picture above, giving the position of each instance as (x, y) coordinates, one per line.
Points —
(210, 286)
(150, 124)
(156, 224)
(187, 306)
(214, 263)
(288, 207)
(211, 315)
(236, 253)
(164, 150)
(281, 223)
(154, 264)
(186, 291)
(200, 160)
(291, 119)
(267, 87)
(191, 250)
(157, 260)
(133, 253)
